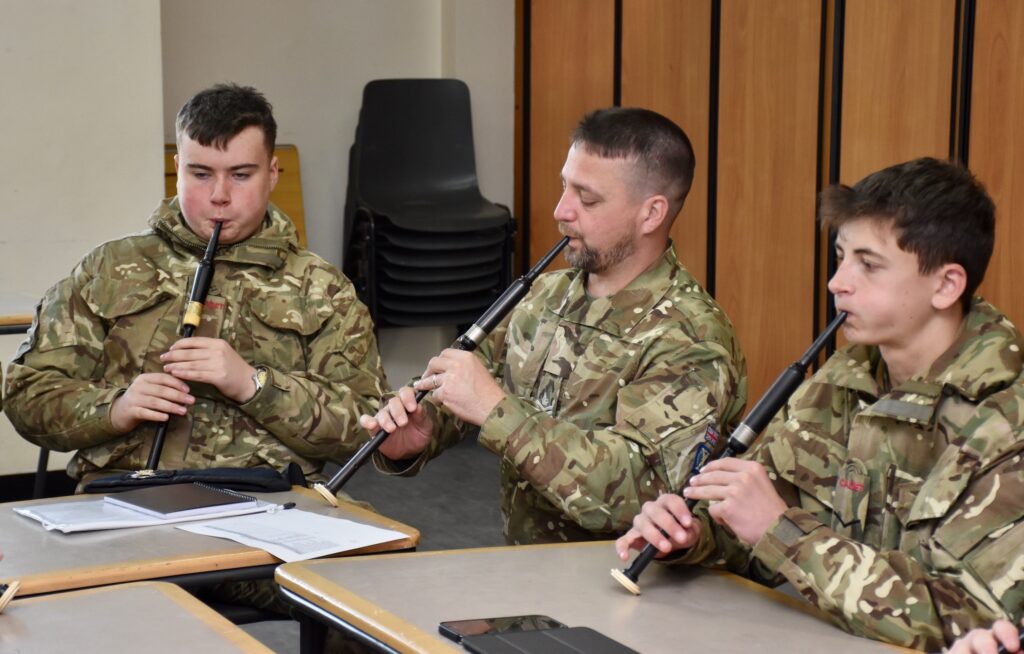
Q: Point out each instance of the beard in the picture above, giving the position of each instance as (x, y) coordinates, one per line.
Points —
(592, 260)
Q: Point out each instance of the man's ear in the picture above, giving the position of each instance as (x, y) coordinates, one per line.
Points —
(653, 214)
(952, 280)
(274, 172)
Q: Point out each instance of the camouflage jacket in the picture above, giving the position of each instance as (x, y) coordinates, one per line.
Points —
(607, 399)
(907, 505)
(278, 305)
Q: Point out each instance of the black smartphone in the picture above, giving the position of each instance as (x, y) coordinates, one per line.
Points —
(456, 629)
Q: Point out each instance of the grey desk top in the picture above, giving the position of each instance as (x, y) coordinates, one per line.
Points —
(152, 617)
(399, 599)
(47, 561)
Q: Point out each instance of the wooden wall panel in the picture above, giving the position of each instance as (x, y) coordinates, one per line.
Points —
(898, 75)
(768, 141)
(897, 83)
(572, 56)
(996, 153)
(666, 62)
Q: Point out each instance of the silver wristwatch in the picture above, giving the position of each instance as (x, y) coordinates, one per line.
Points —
(260, 379)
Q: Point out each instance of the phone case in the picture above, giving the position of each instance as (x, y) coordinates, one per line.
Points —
(572, 640)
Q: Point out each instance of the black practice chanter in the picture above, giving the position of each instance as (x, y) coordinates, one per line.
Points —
(468, 342)
(743, 436)
(191, 320)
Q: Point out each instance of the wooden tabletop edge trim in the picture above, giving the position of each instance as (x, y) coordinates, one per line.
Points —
(382, 625)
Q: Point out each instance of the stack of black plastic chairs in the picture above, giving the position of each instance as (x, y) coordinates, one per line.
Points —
(423, 246)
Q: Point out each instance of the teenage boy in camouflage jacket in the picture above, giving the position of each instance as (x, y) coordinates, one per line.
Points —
(597, 389)
(281, 366)
(888, 490)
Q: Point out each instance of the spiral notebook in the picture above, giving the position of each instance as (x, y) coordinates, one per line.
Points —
(182, 500)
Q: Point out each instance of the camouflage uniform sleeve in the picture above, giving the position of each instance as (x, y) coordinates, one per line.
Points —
(600, 477)
(55, 393)
(971, 573)
(718, 547)
(448, 430)
(970, 570)
(315, 412)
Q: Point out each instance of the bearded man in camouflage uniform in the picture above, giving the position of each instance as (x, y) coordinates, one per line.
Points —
(281, 366)
(597, 389)
(888, 491)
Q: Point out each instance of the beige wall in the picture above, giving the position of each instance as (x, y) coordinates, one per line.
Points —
(313, 57)
(478, 47)
(81, 127)
(89, 167)
(479, 43)
(79, 123)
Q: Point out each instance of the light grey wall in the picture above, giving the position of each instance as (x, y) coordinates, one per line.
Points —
(81, 128)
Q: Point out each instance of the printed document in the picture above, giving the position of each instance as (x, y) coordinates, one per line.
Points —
(296, 535)
(89, 515)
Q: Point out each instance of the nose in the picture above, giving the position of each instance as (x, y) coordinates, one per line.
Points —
(839, 284)
(220, 194)
(563, 210)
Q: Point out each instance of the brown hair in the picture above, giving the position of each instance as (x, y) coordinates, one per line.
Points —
(216, 115)
(660, 148)
(938, 210)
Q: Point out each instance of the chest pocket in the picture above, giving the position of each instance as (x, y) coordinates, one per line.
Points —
(555, 365)
(817, 476)
(902, 511)
(283, 324)
(669, 434)
(985, 504)
(582, 374)
(136, 315)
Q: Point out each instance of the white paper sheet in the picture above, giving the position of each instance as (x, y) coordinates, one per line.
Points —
(296, 535)
(90, 515)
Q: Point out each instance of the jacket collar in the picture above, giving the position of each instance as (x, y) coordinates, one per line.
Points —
(985, 357)
(619, 313)
(268, 247)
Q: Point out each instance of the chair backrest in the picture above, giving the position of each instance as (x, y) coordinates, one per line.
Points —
(287, 195)
(414, 140)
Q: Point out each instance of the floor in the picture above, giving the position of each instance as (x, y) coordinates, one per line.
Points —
(453, 502)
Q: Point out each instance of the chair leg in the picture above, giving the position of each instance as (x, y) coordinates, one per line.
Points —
(39, 487)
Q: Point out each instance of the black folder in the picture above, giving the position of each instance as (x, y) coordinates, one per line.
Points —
(571, 640)
(181, 500)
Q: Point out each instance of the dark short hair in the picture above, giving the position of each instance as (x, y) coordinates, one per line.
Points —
(938, 210)
(658, 145)
(216, 115)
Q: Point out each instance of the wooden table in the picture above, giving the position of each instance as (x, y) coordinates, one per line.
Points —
(50, 561)
(396, 601)
(150, 617)
(16, 311)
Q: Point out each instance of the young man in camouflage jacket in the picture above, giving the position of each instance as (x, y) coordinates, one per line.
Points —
(281, 366)
(888, 491)
(599, 386)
